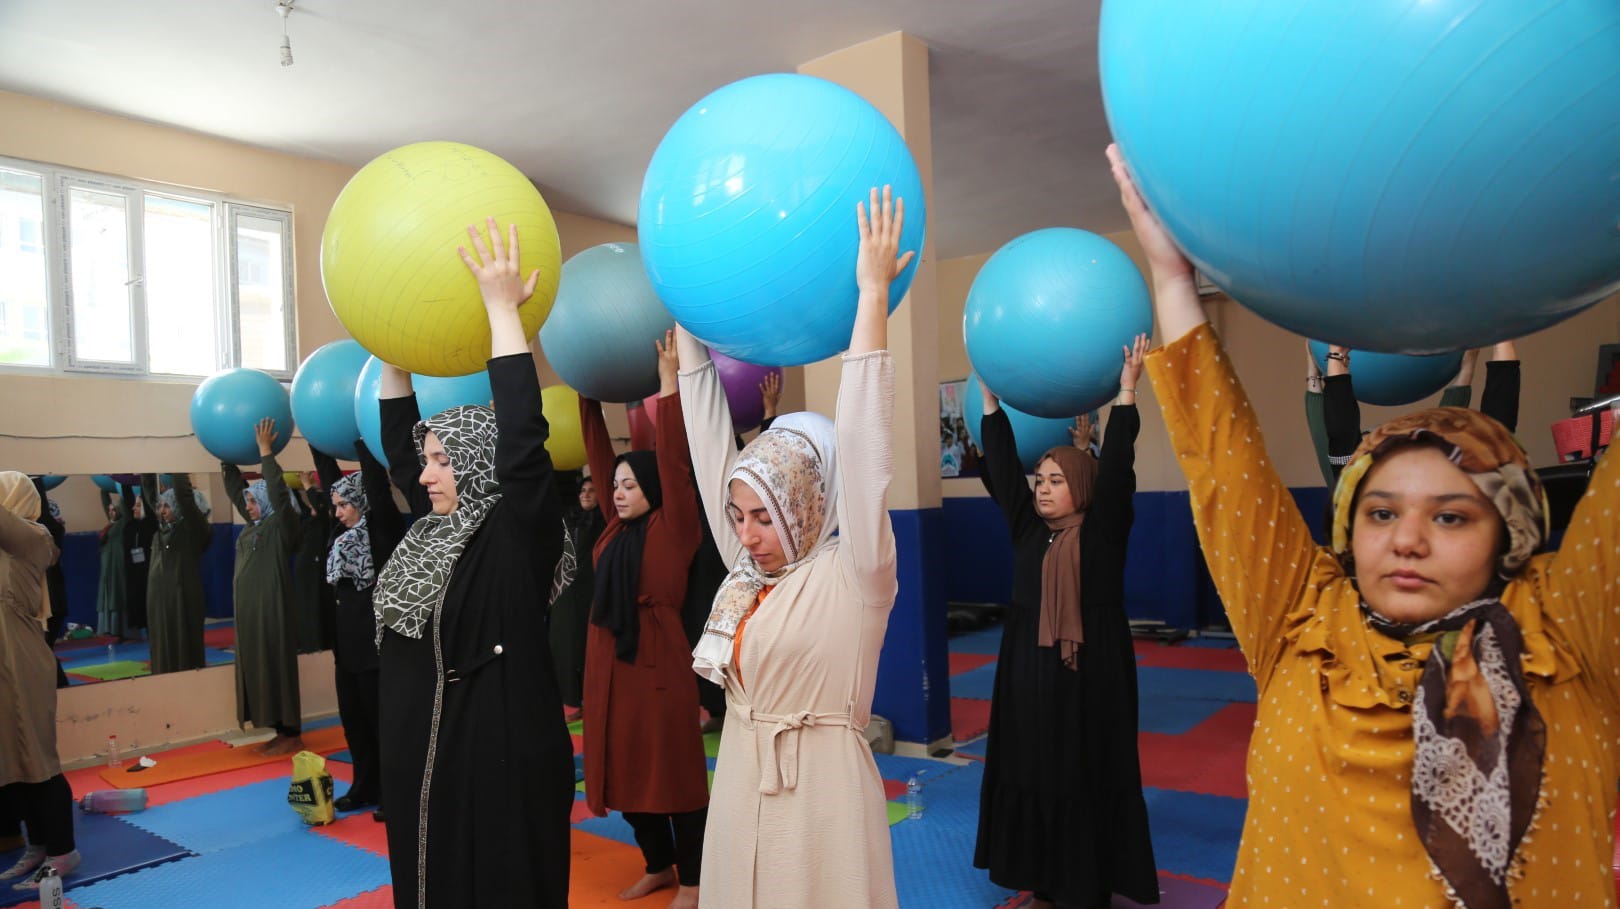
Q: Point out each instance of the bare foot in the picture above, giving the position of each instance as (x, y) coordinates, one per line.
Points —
(283, 744)
(685, 898)
(648, 884)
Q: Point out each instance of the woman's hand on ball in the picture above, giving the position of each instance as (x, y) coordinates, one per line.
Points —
(496, 266)
(876, 266)
(1164, 256)
(1131, 372)
(669, 364)
(264, 432)
(770, 394)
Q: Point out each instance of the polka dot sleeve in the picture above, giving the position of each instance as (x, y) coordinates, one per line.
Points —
(1579, 585)
(1256, 543)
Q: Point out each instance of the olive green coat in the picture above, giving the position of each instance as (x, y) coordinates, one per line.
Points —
(174, 591)
(266, 618)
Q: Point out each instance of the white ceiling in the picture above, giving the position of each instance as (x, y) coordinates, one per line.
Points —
(578, 94)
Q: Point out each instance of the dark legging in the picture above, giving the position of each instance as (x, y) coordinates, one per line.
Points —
(47, 811)
(357, 706)
(671, 839)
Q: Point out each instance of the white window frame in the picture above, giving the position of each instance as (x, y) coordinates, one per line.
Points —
(56, 183)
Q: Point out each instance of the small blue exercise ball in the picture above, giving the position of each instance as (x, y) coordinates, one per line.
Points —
(323, 397)
(51, 481)
(1047, 317)
(599, 336)
(1392, 176)
(104, 483)
(434, 395)
(228, 405)
(1394, 380)
(747, 222)
(1035, 435)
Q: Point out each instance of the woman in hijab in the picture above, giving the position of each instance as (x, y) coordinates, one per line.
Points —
(313, 606)
(1061, 811)
(137, 560)
(368, 538)
(478, 767)
(174, 593)
(797, 816)
(573, 588)
(30, 774)
(266, 625)
(643, 749)
(110, 581)
(1438, 700)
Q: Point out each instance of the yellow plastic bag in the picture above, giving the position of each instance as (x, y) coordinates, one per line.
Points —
(311, 791)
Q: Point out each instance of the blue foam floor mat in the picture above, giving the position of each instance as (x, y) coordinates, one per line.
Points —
(140, 652)
(986, 641)
(110, 847)
(1194, 834)
(224, 820)
(1168, 715)
(1204, 684)
(283, 870)
(978, 683)
(933, 854)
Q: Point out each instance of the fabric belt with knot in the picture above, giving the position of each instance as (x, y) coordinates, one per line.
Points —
(778, 743)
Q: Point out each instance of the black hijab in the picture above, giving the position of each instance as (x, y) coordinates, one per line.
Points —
(618, 571)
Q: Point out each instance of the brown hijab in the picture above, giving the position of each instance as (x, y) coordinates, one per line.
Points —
(1060, 571)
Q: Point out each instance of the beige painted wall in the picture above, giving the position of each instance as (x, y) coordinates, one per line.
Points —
(1559, 363)
(148, 417)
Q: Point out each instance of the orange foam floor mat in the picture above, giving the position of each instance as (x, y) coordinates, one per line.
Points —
(175, 766)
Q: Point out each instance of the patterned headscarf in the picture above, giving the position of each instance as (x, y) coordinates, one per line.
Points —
(1481, 448)
(412, 584)
(793, 467)
(351, 551)
(18, 496)
(1479, 741)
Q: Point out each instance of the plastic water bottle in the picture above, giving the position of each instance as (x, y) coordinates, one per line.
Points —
(914, 799)
(50, 888)
(114, 801)
(112, 654)
(114, 759)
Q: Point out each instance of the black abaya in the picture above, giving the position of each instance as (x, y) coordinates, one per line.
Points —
(1061, 810)
(490, 784)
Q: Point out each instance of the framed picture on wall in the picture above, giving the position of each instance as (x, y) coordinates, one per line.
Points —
(957, 456)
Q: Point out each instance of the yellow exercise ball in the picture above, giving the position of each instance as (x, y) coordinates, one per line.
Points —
(389, 262)
(560, 404)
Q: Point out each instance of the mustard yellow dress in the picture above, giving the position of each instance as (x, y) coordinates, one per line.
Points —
(1329, 820)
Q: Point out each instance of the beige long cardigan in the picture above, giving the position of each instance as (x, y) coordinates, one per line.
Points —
(27, 667)
(797, 815)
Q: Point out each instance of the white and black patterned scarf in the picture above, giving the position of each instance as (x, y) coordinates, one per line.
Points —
(351, 551)
(412, 584)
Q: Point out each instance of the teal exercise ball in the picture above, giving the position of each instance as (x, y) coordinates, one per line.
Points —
(228, 405)
(599, 337)
(1047, 319)
(1385, 175)
(1394, 380)
(1034, 435)
(323, 397)
(434, 395)
(747, 218)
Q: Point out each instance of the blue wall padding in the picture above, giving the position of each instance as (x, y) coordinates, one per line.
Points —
(81, 571)
(1165, 576)
(913, 687)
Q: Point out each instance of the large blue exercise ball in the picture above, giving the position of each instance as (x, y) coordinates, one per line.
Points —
(323, 397)
(747, 221)
(1394, 380)
(104, 483)
(1047, 317)
(1387, 175)
(228, 405)
(434, 395)
(51, 481)
(1035, 435)
(599, 336)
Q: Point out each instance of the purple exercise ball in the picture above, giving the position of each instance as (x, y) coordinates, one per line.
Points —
(741, 381)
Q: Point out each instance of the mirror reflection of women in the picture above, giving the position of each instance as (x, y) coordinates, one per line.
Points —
(111, 582)
(266, 624)
(175, 606)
